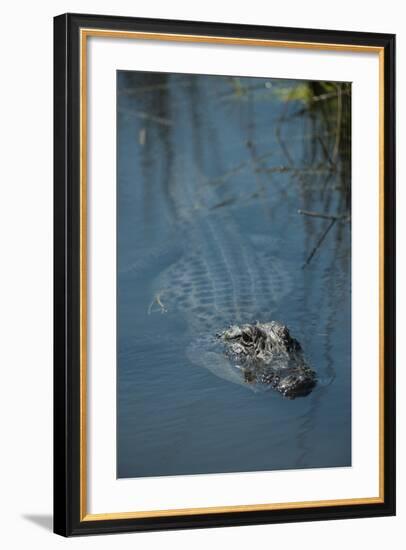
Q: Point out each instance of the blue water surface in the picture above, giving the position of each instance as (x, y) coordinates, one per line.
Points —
(192, 148)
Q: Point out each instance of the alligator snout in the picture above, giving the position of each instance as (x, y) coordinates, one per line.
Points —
(297, 385)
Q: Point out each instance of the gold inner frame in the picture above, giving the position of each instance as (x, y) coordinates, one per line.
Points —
(84, 34)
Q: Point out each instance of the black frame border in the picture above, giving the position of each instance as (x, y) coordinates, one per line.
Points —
(67, 521)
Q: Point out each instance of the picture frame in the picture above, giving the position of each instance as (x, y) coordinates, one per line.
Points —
(72, 293)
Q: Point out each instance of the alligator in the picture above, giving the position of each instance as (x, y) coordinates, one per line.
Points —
(227, 286)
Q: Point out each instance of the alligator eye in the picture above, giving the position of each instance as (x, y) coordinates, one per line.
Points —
(246, 337)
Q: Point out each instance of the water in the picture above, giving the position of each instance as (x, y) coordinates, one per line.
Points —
(234, 155)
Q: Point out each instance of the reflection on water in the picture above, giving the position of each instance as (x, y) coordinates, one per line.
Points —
(233, 205)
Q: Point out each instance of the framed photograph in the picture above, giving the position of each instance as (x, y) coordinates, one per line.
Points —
(224, 274)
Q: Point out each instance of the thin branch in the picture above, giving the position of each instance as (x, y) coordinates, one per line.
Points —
(343, 217)
(146, 116)
(296, 171)
(239, 168)
(319, 242)
(326, 153)
(157, 302)
(338, 128)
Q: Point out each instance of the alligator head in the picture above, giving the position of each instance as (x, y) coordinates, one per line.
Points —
(267, 354)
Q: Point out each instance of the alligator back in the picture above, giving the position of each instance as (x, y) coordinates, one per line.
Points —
(221, 278)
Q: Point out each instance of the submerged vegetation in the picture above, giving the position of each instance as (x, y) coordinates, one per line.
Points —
(325, 109)
(327, 113)
(318, 157)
